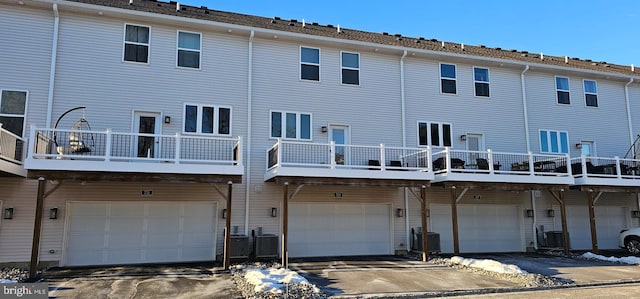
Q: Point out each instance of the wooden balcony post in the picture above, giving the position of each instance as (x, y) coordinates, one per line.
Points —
(565, 229)
(423, 212)
(107, 146)
(227, 235)
(454, 221)
(37, 229)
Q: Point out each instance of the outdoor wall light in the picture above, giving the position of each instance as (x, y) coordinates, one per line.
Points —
(167, 119)
(578, 145)
(53, 213)
(224, 213)
(635, 214)
(399, 213)
(274, 212)
(8, 213)
(529, 213)
(463, 137)
(427, 213)
(551, 213)
(324, 129)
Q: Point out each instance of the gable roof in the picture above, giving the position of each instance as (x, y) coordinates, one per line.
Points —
(173, 8)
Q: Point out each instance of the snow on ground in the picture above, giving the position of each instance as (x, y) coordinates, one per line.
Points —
(488, 265)
(272, 280)
(7, 281)
(632, 260)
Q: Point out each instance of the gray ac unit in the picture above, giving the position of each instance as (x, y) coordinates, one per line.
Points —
(265, 246)
(555, 239)
(433, 241)
(239, 246)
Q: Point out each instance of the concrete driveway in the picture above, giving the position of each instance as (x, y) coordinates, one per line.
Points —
(148, 281)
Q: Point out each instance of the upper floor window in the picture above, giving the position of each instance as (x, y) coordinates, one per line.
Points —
(448, 78)
(562, 90)
(207, 119)
(591, 93)
(136, 43)
(481, 81)
(554, 142)
(291, 125)
(350, 68)
(309, 64)
(434, 134)
(12, 110)
(189, 45)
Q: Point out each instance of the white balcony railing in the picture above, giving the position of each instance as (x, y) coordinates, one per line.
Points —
(11, 146)
(103, 150)
(606, 171)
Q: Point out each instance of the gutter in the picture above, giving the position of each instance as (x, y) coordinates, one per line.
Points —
(404, 145)
(248, 143)
(52, 68)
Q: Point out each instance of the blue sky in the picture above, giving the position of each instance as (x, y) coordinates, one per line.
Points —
(589, 29)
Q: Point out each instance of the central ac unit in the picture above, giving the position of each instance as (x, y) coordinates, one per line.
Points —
(265, 246)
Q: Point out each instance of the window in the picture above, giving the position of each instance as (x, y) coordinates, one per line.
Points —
(562, 89)
(136, 43)
(554, 142)
(189, 49)
(434, 134)
(207, 119)
(590, 93)
(309, 64)
(481, 81)
(448, 78)
(12, 110)
(350, 68)
(294, 125)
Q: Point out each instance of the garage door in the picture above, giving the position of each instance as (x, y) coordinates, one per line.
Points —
(609, 221)
(102, 233)
(330, 229)
(481, 228)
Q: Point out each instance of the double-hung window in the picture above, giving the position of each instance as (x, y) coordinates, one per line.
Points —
(350, 68)
(562, 90)
(291, 125)
(590, 93)
(448, 78)
(207, 119)
(481, 81)
(434, 134)
(554, 142)
(309, 64)
(136, 43)
(12, 110)
(189, 45)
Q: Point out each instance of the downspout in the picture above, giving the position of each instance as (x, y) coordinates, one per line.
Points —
(52, 68)
(631, 137)
(404, 145)
(528, 142)
(248, 143)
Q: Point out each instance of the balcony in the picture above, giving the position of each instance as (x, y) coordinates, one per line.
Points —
(74, 154)
(341, 162)
(11, 154)
(499, 167)
(598, 171)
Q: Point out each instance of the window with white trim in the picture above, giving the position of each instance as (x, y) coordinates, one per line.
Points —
(136, 43)
(590, 93)
(13, 106)
(481, 81)
(562, 90)
(434, 134)
(448, 78)
(554, 142)
(350, 68)
(207, 119)
(310, 64)
(189, 45)
(290, 125)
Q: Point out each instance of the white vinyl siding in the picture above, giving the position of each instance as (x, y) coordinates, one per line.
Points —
(434, 134)
(188, 51)
(554, 142)
(207, 119)
(136, 43)
(291, 125)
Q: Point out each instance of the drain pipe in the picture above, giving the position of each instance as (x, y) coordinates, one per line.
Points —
(630, 124)
(526, 134)
(248, 143)
(403, 115)
(52, 68)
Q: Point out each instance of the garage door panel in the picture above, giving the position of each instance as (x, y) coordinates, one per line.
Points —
(88, 243)
(127, 209)
(122, 240)
(609, 221)
(93, 210)
(125, 224)
(87, 224)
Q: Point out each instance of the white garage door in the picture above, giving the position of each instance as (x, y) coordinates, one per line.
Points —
(104, 233)
(481, 228)
(331, 229)
(609, 221)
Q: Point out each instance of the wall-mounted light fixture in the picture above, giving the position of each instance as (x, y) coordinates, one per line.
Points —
(463, 137)
(224, 213)
(8, 213)
(324, 129)
(578, 145)
(337, 194)
(53, 213)
(167, 119)
(551, 213)
(399, 213)
(427, 213)
(274, 212)
(635, 214)
(529, 213)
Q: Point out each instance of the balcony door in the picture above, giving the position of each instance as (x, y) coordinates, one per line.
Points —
(475, 142)
(147, 123)
(339, 134)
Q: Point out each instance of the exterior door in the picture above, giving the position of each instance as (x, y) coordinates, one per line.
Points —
(147, 123)
(475, 142)
(340, 135)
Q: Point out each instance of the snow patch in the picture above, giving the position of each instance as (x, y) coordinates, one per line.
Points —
(7, 281)
(488, 265)
(273, 280)
(631, 260)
